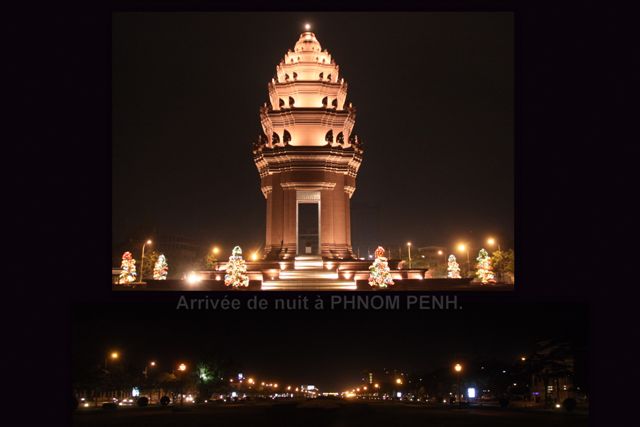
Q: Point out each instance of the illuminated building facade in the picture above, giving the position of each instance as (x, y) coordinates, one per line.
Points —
(308, 156)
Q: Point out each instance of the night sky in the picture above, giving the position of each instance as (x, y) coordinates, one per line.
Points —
(328, 349)
(434, 97)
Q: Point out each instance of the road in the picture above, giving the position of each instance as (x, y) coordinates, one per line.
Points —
(324, 413)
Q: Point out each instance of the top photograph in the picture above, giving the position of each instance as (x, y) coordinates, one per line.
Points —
(313, 152)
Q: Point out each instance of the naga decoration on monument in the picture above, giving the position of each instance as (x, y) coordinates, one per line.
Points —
(308, 156)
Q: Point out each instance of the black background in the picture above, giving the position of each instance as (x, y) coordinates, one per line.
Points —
(570, 211)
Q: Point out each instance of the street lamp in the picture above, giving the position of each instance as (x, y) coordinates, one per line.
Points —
(254, 256)
(491, 242)
(458, 369)
(409, 248)
(148, 242)
(146, 368)
(464, 248)
(114, 355)
(182, 367)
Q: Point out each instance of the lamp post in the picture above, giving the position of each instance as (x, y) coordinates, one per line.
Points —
(465, 248)
(182, 368)
(215, 251)
(150, 364)
(491, 242)
(458, 369)
(409, 249)
(148, 242)
(114, 355)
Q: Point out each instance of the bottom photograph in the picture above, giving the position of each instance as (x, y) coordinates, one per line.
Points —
(478, 365)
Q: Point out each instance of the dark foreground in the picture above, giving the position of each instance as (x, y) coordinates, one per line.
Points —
(324, 413)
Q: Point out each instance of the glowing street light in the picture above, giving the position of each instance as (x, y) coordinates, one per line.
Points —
(399, 381)
(458, 369)
(462, 248)
(182, 367)
(151, 364)
(215, 250)
(114, 355)
(376, 385)
(409, 248)
(440, 252)
(193, 278)
(148, 242)
(491, 242)
(307, 26)
(523, 358)
(254, 256)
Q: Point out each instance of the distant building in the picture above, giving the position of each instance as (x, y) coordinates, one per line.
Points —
(553, 369)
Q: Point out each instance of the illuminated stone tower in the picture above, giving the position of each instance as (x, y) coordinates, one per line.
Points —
(308, 157)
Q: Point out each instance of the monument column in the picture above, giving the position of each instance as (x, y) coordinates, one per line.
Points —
(326, 224)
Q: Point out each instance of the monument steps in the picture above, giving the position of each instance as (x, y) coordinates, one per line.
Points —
(308, 274)
(309, 285)
(308, 262)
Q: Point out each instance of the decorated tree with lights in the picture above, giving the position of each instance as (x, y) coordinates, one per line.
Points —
(160, 268)
(128, 267)
(379, 273)
(236, 275)
(484, 271)
(453, 269)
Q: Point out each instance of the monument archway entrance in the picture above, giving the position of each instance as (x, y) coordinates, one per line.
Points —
(308, 222)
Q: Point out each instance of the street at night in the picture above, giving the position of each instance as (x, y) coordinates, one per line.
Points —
(472, 364)
(328, 413)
